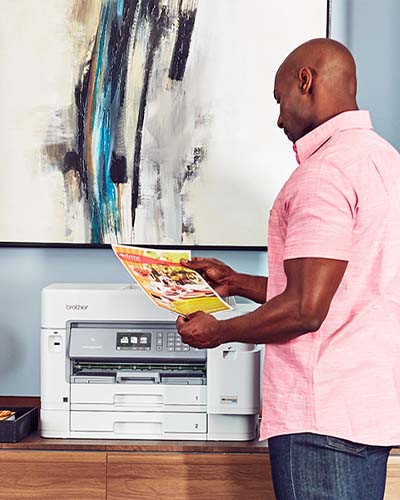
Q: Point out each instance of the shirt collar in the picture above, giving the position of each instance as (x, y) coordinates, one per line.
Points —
(312, 141)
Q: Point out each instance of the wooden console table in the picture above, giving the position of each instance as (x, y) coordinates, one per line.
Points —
(70, 469)
(58, 469)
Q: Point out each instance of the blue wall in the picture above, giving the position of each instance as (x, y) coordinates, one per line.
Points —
(370, 30)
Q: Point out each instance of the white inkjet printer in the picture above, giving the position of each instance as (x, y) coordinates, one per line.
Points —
(114, 366)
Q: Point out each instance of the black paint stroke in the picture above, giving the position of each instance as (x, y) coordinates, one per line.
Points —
(182, 43)
(81, 97)
(192, 169)
(190, 173)
(157, 20)
(119, 48)
(118, 170)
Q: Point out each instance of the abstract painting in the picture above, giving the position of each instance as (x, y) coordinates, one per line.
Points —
(144, 121)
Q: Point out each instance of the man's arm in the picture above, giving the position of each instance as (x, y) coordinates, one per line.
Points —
(227, 282)
(299, 309)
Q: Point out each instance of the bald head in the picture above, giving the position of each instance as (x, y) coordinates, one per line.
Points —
(331, 63)
(318, 79)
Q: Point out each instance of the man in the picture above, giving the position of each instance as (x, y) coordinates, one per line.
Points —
(330, 312)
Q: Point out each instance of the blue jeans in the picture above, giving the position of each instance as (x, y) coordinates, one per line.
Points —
(313, 467)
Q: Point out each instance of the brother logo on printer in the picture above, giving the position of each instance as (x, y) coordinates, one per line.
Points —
(76, 307)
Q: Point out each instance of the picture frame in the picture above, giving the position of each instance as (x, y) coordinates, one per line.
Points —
(144, 122)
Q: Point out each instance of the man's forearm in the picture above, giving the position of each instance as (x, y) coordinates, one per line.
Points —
(251, 287)
(278, 320)
(301, 308)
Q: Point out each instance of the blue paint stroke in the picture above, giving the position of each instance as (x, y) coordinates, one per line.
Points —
(109, 75)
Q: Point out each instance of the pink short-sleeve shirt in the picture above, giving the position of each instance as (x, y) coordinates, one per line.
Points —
(342, 202)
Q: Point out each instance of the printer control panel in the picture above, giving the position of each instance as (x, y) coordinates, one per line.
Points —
(158, 340)
(134, 341)
(138, 341)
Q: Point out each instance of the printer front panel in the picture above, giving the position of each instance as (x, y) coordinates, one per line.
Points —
(140, 341)
(135, 380)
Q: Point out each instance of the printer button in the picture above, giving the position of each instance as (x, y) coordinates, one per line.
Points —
(159, 348)
(160, 341)
(170, 348)
(178, 348)
(186, 348)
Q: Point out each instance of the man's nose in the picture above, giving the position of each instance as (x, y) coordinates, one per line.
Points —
(280, 122)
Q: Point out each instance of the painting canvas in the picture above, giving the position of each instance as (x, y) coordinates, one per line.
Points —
(144, 121)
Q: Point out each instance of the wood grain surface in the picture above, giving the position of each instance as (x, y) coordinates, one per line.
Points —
(93, 469)
(193, 476)
(44, 475)
(392, 491)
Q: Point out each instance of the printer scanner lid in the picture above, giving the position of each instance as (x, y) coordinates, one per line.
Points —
(62, 302)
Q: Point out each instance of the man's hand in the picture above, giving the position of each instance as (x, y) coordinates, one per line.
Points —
(219, 275)
(200, 330)
(227, 282)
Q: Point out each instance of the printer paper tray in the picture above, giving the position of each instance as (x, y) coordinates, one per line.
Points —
(143, 408)
(137, 424)
(131, 396)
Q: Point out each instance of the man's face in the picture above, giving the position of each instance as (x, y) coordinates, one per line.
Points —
(293, 115)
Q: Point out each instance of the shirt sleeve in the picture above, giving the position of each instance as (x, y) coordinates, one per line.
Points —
(320, 213)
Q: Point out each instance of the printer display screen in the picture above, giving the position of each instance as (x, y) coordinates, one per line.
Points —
(136, 341)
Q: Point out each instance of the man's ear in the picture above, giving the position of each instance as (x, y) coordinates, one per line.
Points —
(305, 77)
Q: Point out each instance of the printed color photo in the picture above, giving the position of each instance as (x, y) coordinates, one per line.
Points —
(167, 283)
